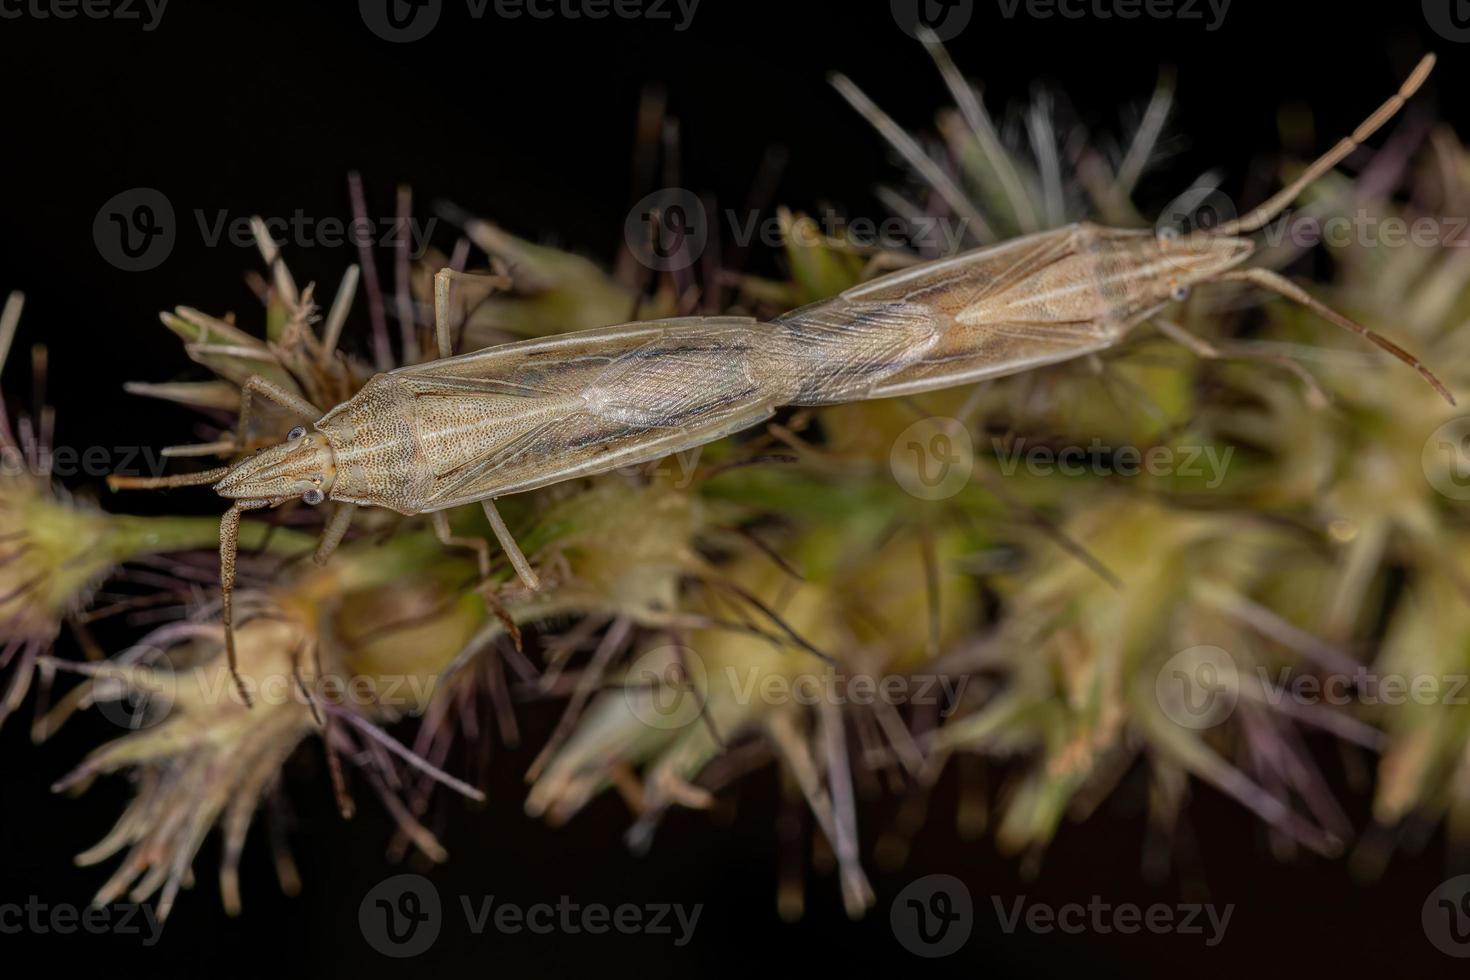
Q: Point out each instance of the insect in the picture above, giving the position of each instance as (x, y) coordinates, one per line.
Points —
(464, 429)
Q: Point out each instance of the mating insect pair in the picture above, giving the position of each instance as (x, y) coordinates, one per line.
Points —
(466, 429)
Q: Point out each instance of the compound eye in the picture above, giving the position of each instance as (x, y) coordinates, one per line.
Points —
(1179, 292)
(296, 433)
(313, 496)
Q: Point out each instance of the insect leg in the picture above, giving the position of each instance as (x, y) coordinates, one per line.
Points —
(225, 447)
(1205, 350)
(335, 530)
(509, 546)
(229, 544)
(256, 385)
(443, 283)
(444, 327)
(481, 547)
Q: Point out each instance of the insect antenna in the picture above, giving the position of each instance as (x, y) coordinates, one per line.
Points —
(1282, 286)
(1279, 201)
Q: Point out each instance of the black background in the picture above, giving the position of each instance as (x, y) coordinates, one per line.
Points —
(263, 107)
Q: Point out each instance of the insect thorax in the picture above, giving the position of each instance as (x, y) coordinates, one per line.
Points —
(373, 435)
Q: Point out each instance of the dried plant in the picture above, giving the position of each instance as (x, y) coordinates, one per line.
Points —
(685, 606)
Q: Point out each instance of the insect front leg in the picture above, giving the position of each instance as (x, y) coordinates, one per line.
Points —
(256, 385)
(229, 546)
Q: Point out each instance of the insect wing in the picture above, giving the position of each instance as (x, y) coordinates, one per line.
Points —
(539, 412)
(966, 297)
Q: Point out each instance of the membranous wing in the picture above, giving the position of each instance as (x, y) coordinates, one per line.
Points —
(964, 319)
(839, 350)
(528, 414)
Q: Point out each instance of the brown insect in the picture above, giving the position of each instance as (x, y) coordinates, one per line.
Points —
(467, 429)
